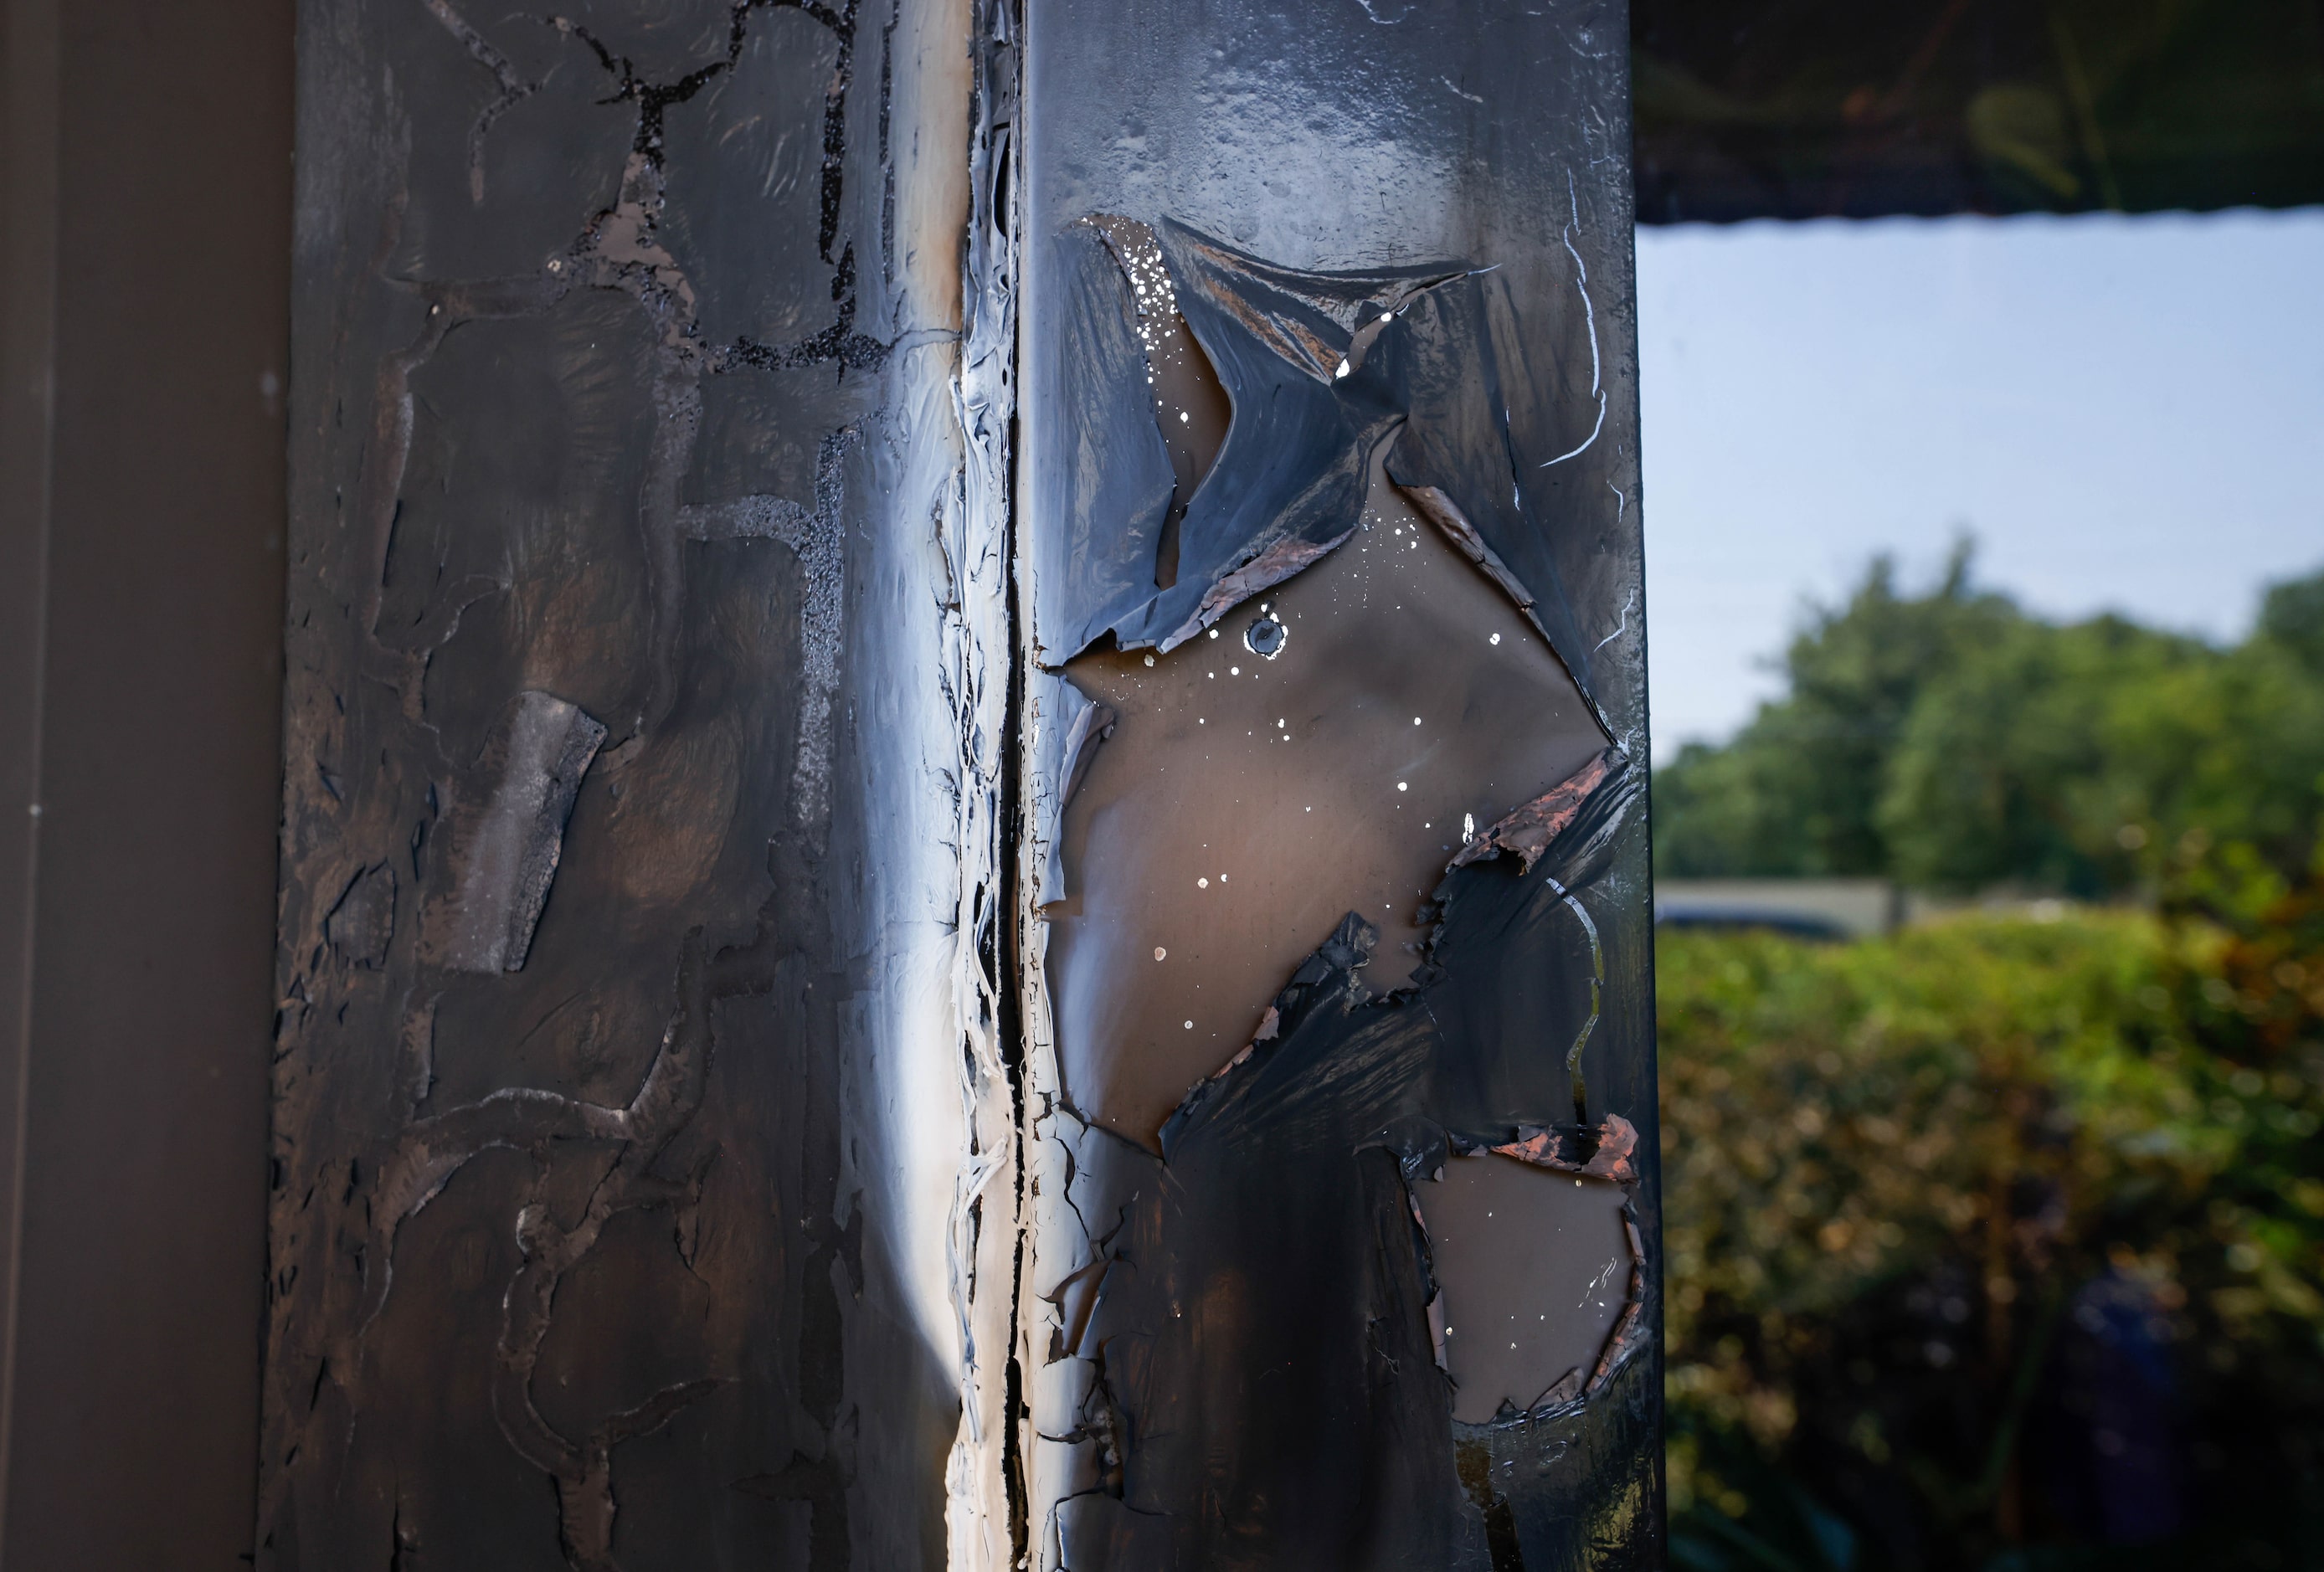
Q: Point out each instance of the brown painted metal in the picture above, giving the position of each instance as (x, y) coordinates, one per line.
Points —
(141, 570)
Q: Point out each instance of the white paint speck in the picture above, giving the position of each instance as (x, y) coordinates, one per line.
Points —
(1400, 786)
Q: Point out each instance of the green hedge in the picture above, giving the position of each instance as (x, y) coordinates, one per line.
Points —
(1893, 1172)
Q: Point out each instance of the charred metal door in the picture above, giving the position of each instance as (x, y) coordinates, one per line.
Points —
(963, 852)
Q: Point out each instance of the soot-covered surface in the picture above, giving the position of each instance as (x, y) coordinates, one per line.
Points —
(618, 845)
(681, 1157)
(1398, 234)
(1258, 1330)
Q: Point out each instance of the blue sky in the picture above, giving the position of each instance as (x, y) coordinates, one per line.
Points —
(2126, 413)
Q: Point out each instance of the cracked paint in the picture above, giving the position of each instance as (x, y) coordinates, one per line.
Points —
(625, 412)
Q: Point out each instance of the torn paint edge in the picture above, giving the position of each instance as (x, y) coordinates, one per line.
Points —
(1602, 1150)
(1262, 571)
(1610, 1146)
(1528, 831)
(1091, 724)
(1061, 1247)
(984, 1526)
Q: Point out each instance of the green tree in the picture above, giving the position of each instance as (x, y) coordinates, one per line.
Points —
(2010, 767)
(1798, 790)
(1951, 741)
(2292, 616)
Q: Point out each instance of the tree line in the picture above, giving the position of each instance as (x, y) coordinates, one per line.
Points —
(1953, 741)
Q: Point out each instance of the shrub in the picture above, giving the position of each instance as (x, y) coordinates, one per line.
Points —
(1997, 1243)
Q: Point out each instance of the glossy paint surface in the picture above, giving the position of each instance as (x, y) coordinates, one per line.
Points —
(1399, 233)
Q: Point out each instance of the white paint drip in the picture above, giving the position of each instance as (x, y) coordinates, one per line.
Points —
(1618, 626)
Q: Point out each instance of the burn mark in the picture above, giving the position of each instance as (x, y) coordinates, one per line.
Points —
(1257, 1380)
(1322, 371)
(1605, 1151)
(1267, 1307)
(540, 640)
(1528, 831)
(1320, 360)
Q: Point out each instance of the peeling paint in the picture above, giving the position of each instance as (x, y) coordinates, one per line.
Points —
(605, 1136)
(1242, 805)
(1243, 1063)
(1528, 831)
(1533, 1272)
(1286, 1391)
(930, 1044)
(503, 856)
